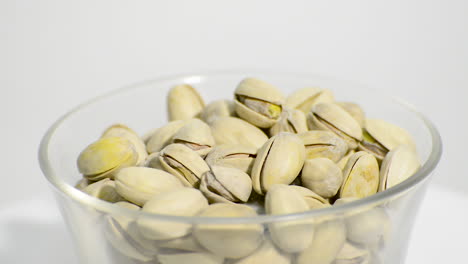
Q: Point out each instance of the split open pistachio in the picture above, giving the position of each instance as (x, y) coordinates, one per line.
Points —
(355, 111)
(233, 156)
(323, 144)
(162, 136)
(398, 165)
(196, 135)
(360, 176)
(216, 109)
(119, 130)
(290, 120)
(184, 102)
(304, 99)
(105, 190)
(223, 184)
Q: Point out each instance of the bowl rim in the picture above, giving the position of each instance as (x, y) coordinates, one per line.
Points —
(70, 191)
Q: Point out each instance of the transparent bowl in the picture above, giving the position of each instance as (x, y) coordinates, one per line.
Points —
(371, 230)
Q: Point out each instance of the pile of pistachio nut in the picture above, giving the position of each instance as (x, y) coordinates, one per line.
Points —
(259, 153)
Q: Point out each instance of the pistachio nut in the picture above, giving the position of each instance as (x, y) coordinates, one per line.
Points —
(196, 135)
(278, 161)
(290, 120)
(233, 156)
(152, 161)
(304, 99)
(368, 227)
(104, 189)
(163, 136)
(181, 202)
(235, 131)
(217, 109)
(379, 137)
(104, 157)
(322, 176)
(329, 238)
(186, 243)
(351, 254)
(82, 183)
(223, 184)
(184, 102)
(360, 176)
(312, 199)
(258, 102)
(291, 236)
(184, 163)
(146, 136)
(119, 130)
(355, 111)
(399, 164)
(139, 184)
(229, 240)
(323, 144)
(190, 257)
(266, 254)
(329, 116)
(342, 162)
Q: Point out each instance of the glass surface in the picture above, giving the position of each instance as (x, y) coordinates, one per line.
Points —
(377, 228)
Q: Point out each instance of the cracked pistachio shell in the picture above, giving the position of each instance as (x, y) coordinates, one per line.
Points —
(350, 254)
(119, 130)
(163, 136)
(216, 109)
(152, 161)
(196, 135)
(258, 102)
(290, 236)
(184, 163)
(329, 116)
(104, 157)
(190, 257)
(266, 254)
(232, 156)
(312, 199)
(323, 144)
(360, 176)
(342, 162)
(322, 176)
(368, 227)
(104, 189)
(304, 99)
(235, 131)
(290, 120)
(139, 184)
(387, 134)
(399, 164)
(184, 102)
(180, 202)
(355, 111)
(222, 184)
(329, 238)
(229, 240)
(278, 161)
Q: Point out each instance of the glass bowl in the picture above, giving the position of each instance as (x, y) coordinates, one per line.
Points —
(375, 229)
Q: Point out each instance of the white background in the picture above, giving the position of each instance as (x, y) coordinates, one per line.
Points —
(56, 54)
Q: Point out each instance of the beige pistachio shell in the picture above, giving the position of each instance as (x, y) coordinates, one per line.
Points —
(184, 102)
(329, 238)
(163, 136)
(304, 99)
(180, 202)
(232, 156)
(216, 109)
(152, 161)
(342, 162)
(104, 190)
(329, 116)
(312, 199)
(235, 131)
(258, 102)
(223, 184)
(387, 134)
(323, 144)
(360, 176)
(229, 240)
(322, 176)
(190, 257)
(266, 254)
(290, 236)
(184, 163)
(186, 243)
(139, 184)
(368, 227)
(104, 157)
(196, 135)
(290, 120)
(351, 254)
(278, 161)
(119, 130)
(355, 111)
(82, 183)
(398, 165)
